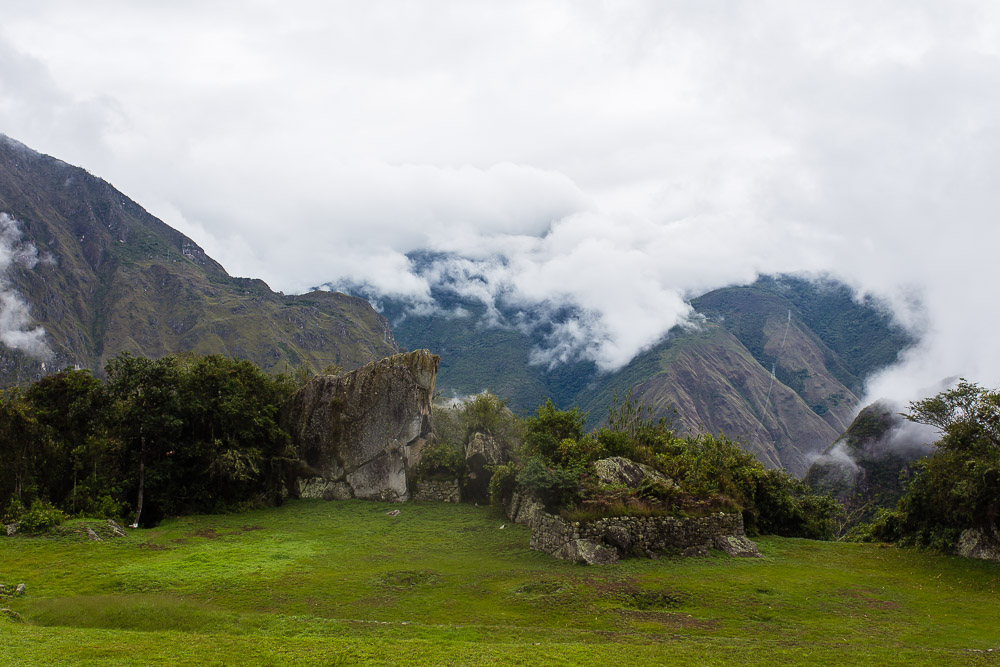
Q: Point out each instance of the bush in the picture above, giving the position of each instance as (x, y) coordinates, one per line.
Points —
(502, 483)
(555, 485)
(442, 460)
(40, 517)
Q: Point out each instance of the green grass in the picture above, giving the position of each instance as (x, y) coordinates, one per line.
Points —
(342, 583)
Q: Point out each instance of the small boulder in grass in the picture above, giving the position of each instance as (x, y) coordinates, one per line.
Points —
(20, 590)
(393, 513)
(11, 529)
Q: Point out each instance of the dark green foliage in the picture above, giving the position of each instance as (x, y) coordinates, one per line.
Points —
(39, 517)
(442, 460)
(502, 483)
(554, 484)
(160, 437)
(712, 471)
(772, 500)
(958, 486)
(545, 431)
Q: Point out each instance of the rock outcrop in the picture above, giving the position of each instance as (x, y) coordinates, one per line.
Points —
(360, 434)
(978, 543)
(626, 472)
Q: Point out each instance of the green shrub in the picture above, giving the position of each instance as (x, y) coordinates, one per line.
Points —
(40, 517)
(442, 460)
(555, 485)
(15, 508)
(502, 483)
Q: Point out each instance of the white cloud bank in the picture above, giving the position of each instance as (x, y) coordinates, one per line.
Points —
(15, 316)
(622, 156)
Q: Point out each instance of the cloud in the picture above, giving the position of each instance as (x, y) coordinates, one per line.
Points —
(15, 316)
(608, 160)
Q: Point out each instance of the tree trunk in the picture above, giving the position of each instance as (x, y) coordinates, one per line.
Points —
(142, 484)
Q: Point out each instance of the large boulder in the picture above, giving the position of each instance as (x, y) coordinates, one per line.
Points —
(360, 434)
(618, 470)
(978, 543)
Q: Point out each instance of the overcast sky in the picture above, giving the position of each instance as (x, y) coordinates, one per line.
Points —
(623, 156)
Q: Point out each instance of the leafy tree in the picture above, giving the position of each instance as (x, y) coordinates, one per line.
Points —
(145, 415)
(71, 406)
(957, 487)
(22, 445)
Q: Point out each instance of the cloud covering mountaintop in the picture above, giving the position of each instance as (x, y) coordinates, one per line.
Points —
(618, 157)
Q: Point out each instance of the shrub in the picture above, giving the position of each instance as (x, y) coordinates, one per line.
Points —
(555, 485)
(442, 460)
(40, 517)
(502, 483)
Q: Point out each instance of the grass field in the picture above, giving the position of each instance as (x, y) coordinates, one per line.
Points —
(343, 583)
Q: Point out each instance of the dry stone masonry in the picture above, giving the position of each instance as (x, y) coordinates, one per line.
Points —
(608, 539)
(443, 491)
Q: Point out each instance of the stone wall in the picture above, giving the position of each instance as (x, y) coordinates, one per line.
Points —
(442, 491)
(608, 539)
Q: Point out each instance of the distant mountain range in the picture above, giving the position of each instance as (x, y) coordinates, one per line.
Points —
(101, 275)
(820, 342)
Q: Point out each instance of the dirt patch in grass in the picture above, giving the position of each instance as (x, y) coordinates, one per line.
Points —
(409, 578)
(669, 619)
(207, 533)
(152, 547)
(539, 588)
(247, 529)
(867, 599)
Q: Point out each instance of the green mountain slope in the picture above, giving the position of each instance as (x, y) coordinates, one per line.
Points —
(819, 341)
(112, 277)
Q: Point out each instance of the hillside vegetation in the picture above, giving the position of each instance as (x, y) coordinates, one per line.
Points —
(110, 278)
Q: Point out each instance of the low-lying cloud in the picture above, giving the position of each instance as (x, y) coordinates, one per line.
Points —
(15, 316)
(610, 159)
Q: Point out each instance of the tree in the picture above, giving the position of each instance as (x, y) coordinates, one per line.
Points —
(22, 440)
(957, 487)
(145, 415)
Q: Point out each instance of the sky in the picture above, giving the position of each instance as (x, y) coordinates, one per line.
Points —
(620, 157)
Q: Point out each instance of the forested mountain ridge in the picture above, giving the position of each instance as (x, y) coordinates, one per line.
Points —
(819, 340)
(109, 277)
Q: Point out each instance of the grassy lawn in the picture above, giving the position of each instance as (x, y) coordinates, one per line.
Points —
(343, 583)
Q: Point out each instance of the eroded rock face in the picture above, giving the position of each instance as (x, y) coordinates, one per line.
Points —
(620, 470)
(977, 543)
(358, 435)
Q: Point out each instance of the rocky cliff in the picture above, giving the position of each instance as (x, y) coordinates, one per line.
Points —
(359, 435)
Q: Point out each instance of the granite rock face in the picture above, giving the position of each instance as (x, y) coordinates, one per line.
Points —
(359, 435)
(620, 470)
(978, 543)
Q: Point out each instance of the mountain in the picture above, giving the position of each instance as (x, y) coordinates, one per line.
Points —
(867, 466)
(819, 341)
(101, 276)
